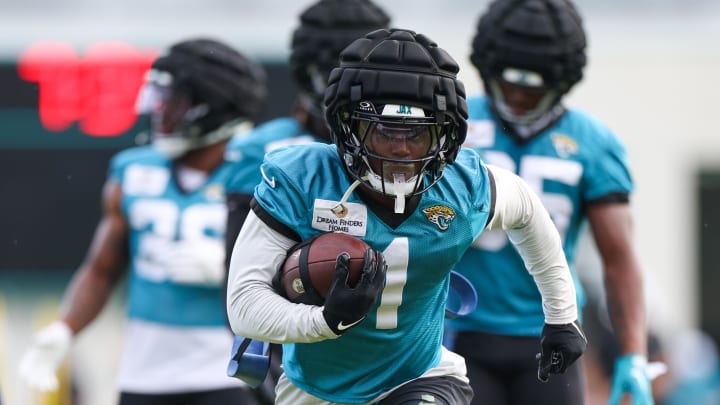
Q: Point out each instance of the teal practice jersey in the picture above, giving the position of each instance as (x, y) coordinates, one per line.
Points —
(159, 215)
(575, 162)
(401, 337)
(249, 151)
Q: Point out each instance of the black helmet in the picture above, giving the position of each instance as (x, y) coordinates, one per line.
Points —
(396, 78)
(222, 85)
(326, 28)
(540, 37)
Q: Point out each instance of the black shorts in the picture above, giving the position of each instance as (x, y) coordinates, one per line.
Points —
(503, 371)
(230, 396)
(431, 390)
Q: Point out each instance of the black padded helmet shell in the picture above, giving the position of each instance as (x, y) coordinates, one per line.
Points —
(397, 66)
(545, 36)
(214, 73)
(326, 28)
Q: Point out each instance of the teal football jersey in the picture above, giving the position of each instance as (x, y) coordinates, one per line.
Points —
(571, 164)
(248, 152)
(159, 214)
(401, 337)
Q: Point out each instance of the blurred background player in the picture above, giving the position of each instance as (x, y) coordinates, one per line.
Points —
(599, 360)
(326, 28)
(694, 370)
(164, 223)
(530, 54)
(400, 180)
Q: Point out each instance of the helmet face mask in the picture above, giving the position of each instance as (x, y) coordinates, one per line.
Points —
(520, 104)
(398, 152)
(172, 116)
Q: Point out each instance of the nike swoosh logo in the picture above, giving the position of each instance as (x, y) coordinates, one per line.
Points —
(342, 326)
(269, 181)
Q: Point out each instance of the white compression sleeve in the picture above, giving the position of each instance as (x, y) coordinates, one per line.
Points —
(255, 310)
(519, 211)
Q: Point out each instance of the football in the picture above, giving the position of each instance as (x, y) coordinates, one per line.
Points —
(308, 271)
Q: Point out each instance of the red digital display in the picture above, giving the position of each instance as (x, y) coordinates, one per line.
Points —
(97, 90)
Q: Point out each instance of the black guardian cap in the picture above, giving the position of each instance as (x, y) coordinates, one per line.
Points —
(213, 73)
(326, 28)
(544, 36)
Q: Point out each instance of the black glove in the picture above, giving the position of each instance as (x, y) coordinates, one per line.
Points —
(345, 306)
(560, 346)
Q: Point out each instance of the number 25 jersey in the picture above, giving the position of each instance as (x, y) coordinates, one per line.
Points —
(574, 163)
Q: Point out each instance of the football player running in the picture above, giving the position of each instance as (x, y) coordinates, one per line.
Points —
(164, 224)
(529, 55)
(398, 179)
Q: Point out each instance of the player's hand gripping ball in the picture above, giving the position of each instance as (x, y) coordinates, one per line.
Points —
(309, 269)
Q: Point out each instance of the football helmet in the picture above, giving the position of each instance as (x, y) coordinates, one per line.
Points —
(199, 93)
(326, 28)
(533, 45)
(397, 112)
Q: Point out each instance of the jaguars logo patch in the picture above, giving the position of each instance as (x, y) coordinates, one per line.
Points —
(440, 215)
(565, 146)
(214, 192)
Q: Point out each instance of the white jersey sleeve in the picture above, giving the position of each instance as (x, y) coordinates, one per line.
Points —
(254, 309)
(519, 212)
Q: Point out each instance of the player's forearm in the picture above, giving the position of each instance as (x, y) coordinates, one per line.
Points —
(544, 258)
(528, 225)
(626, 307)
(259, 313)
(255, 310)
(85, 298)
